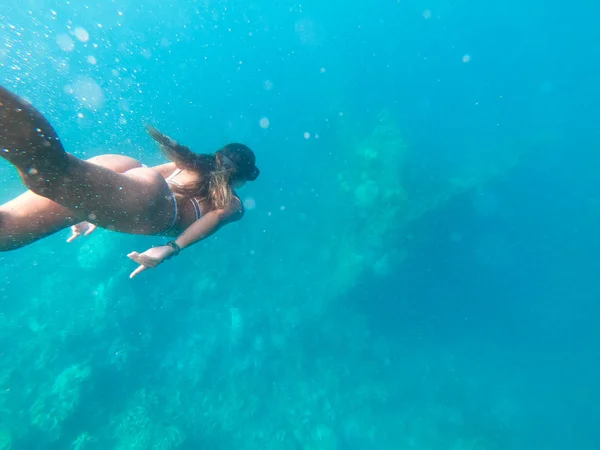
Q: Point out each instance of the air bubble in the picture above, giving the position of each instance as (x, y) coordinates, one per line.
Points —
(264, 122)
(87, 92)
(65, 43)
(82, 34)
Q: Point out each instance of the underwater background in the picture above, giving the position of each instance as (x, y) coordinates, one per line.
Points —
(417, 267)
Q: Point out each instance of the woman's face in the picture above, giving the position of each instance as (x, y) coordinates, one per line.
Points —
(235, 183)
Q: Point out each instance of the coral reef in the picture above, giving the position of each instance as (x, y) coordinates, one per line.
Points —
(253, 347)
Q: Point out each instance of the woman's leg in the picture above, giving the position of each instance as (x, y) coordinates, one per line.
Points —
(30, 217)
(138, 202)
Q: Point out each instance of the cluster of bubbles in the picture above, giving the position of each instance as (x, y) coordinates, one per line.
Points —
(87, 92)
(84, 89)
(66, 42)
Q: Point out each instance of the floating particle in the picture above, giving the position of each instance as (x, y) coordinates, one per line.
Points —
(87, 92)
(264, 122)
(307, 135)
(65, 43)
(82, 34)
(80, 115)
(427, 14)
(306, 30)
(61, 65)
(268, 85)
(92, 60)
(466, 58)
(322, 70)
(249, 203)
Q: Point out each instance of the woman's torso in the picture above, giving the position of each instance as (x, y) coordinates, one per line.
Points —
(190, 195)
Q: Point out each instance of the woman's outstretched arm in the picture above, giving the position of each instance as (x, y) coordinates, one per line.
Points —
(213, 220)
(207, 225)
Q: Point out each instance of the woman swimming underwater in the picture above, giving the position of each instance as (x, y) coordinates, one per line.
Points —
(187, 199)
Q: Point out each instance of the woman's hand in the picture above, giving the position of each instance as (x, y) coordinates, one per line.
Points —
(150, 258)
(81, 228)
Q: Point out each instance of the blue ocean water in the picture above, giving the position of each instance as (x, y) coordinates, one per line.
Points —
(416, 266)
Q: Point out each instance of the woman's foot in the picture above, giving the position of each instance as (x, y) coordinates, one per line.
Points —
(27, 139)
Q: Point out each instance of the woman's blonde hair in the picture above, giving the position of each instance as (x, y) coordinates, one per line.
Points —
(216, 185)
(219, 192)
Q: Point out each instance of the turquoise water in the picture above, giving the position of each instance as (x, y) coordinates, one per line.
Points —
(417, 265)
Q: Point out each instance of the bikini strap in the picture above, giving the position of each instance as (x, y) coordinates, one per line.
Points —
(197, 209)
(174, 174)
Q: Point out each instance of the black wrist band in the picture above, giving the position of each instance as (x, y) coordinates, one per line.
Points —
(176, 248)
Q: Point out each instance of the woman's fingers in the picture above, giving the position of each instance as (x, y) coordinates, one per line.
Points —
(75, 232)
(144, 261)
(91, 229)
(140, 269)
(74, 235)
(137, 258)
(81, 229)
